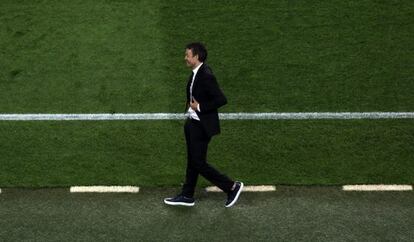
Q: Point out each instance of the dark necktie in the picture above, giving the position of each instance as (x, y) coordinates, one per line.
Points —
(191, 86)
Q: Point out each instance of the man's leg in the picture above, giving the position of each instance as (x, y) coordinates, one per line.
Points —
(191, 173)
(185, 198)
(198, 146)
(198, 158)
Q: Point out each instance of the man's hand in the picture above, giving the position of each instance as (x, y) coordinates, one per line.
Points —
(194, 104)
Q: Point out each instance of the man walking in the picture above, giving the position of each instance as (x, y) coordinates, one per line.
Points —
(204, 97)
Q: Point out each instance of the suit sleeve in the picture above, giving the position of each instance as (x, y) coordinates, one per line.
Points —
(217, 98)
(187, 101)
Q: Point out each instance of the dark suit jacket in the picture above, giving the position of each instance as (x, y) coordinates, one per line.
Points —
(207, 92)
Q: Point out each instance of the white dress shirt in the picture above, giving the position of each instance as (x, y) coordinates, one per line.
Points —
(191, 113)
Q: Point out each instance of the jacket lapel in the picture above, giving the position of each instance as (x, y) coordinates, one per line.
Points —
(197, 77)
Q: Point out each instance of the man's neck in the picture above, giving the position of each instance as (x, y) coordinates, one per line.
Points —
(197, 66)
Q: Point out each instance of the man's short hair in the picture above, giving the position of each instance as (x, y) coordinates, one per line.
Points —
(198, 49)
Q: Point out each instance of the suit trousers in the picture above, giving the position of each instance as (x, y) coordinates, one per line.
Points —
(197, 144)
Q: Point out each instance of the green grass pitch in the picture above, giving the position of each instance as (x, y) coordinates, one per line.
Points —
(269, 56)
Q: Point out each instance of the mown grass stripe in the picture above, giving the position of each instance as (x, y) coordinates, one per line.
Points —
(224, 116)
(260, 188)
(129, 189)
(380, 187)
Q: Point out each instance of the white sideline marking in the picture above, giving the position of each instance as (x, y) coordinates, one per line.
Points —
(130, 189)
(263, 188)
(0, 190)
(223, 116)
(377, 188)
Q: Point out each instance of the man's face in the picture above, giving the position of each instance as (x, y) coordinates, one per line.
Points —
(190, 59)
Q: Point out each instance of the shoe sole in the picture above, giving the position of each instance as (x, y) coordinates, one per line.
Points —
(179, 204)
(237, 196)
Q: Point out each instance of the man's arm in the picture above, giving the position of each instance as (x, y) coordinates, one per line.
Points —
(217, 97)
